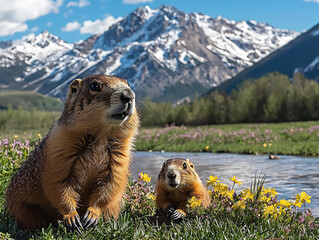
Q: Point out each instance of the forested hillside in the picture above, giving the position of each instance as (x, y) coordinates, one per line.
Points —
(271, 98)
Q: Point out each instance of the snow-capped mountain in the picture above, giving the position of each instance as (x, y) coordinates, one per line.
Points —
(5, 44)
(299, 55)
(31, 61)
(164, 53)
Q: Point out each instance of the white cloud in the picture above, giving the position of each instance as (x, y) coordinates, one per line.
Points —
(136, 1)
(9, 28)
(80, 3)
(317, 1)
(14, 13)
(24, 38)
(34, 29)
(28, 37)
(98, 26)
(71, 26)
(92, 27)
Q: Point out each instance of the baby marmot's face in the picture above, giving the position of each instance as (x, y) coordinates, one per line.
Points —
(102, 98)
(177, 172)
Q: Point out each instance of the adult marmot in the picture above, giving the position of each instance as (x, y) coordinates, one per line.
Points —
(80, 169)
(178, 182)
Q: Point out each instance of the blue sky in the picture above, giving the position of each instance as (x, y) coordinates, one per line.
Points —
(76, 20)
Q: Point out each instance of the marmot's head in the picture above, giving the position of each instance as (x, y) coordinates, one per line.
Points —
(177, 173)
(99, 101)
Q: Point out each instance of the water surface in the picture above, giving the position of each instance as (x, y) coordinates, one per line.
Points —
(289, 174)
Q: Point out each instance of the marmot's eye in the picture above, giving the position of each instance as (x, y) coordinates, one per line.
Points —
(95, 87)
(184, 166)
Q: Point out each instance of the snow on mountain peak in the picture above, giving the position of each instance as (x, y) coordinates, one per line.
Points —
(153, 48)
(45, 38)
(42, 47)
(243, 42)
(143, 25)
(146, 12)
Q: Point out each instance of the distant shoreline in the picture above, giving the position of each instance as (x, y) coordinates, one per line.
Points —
(295, 138)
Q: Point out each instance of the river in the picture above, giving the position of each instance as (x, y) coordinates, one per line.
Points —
(289, 174)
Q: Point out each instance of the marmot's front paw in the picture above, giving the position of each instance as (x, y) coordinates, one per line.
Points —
(177, 215)
(72, 222)
(169, 210)
(91, 217)
(174, 213)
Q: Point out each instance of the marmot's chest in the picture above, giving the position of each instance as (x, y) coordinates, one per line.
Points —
(178, 196)
(95, 163)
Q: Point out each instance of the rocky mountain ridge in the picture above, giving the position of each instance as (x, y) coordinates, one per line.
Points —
(300, 55)
(164, 53)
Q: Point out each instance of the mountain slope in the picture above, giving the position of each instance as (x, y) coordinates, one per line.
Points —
(299, 55)
(29, 101)
(164, 53)
(24, 64)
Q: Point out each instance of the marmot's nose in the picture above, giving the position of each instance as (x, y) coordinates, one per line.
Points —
(171, 175)
(127, 96)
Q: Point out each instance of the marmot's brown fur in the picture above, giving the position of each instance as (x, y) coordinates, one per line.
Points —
(80, 169)
(178, 182)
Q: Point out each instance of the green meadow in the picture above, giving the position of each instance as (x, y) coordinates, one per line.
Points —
(294, 138)
(257, 212)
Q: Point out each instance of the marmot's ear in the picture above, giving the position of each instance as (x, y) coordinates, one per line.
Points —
(75, 86)
(74, 89)
(190, 163)
(164, 165)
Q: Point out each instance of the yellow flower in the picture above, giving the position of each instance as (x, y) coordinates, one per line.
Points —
(246, 194)
(271, 191)
(264, 199)
(297, 197)
(151, 196)
(281, 210)
(269, 210)
(229, 194)
(39, 135)
(221, 188)
(212, 180)
(194, 202)
(145, 177)
(235, 180)
(239, 204)
(265, 145)
(285, 203)
(297, 204)
(207, 148)
(16, 136)
(302, 197)
(270, 144)
(210, 193)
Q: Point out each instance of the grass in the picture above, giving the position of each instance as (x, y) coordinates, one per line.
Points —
(25, 121)
(296, 138)
(245, 215)
(29, 101)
